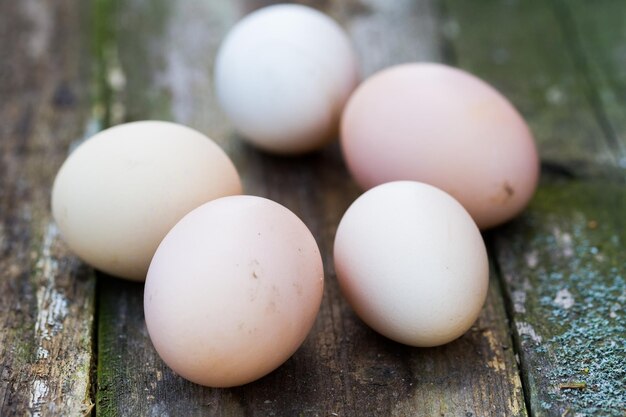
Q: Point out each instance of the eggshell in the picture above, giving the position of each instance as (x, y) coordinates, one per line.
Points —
(283, 75)
(120, 192)
(445, 127)
(412, 263)
(233, 290)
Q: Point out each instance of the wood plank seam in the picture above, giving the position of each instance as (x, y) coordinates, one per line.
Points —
(510, 316)
(450, 55)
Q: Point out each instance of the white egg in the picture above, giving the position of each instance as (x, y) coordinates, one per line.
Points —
(283, 75)
(412, 263)
(121, 191)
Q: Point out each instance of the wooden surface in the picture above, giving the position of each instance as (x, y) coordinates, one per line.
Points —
(563, 262)
(551, 338)
(46, 295)
(564, 267)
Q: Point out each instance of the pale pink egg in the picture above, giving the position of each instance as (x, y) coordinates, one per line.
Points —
(445, 127)
(233, 290)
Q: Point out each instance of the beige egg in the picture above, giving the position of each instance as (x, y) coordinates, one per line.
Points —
(445, 127)
(233, 290)
(412, 263)
(121, 191)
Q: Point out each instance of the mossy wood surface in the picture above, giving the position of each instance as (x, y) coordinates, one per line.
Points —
(563, 262)
(557, 294)
(564, 266)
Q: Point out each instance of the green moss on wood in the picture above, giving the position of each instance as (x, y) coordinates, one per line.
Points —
(564, 265)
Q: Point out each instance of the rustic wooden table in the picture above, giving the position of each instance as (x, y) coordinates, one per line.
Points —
(551, 338)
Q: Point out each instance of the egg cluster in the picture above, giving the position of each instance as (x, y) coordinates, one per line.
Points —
(441, 154)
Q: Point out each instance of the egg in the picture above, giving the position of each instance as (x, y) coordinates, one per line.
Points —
(121, 191)
(412, 263)
(283, 75)
(442, 126)
(233, 290)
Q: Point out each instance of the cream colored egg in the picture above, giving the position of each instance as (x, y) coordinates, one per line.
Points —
(121, 191)
(412, 263)
(282, 76)
(233, 290)
(442, 126)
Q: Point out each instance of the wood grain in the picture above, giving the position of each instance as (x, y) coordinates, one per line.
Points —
(560, 262)
(343, 368)
(561, 265)
(521, 48)
(564, 266)
(46, 295)
(598, 43)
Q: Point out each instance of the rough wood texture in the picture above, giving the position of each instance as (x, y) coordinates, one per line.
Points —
(564, 266)
(46, 295)
(561, 261)
(343, 368)
(560, 266)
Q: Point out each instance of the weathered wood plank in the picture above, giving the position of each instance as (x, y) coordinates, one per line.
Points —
(46, 295)
(563, 272)
(565, 266)
(343, 368)
(597, 40)
(521, 48)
